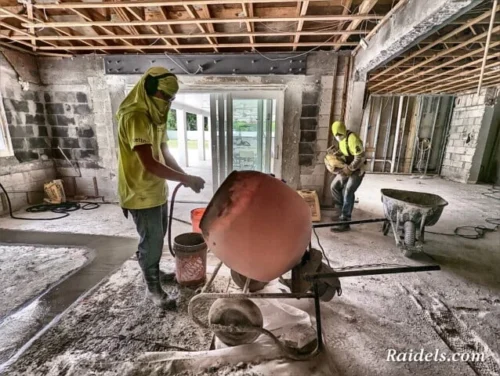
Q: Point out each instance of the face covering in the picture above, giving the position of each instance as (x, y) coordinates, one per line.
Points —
(339, 138)
(162, 108)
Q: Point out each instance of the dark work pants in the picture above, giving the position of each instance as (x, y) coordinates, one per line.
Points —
(343, 189)
(152, 226)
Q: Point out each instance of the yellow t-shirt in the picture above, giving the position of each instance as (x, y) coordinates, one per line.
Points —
(137, 188)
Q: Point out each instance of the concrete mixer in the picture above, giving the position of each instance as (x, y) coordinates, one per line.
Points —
(261, 229)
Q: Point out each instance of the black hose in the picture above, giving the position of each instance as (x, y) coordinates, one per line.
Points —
(170, 217)
(63, 208)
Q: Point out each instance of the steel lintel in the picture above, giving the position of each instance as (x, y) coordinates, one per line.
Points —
(210, 64)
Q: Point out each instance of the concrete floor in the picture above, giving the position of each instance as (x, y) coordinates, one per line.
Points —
(456, 309)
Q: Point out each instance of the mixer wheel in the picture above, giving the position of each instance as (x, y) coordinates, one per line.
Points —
(235, 312)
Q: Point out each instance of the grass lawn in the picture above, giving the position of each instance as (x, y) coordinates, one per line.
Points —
(192, 144)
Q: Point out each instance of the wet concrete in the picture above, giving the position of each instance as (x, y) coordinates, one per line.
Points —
(110, 253)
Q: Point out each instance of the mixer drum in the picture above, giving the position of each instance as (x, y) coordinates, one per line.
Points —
(257, 225)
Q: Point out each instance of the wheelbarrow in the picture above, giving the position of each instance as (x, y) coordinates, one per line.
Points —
(407, 214)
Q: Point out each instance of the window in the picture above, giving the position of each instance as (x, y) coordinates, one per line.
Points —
(5, 144)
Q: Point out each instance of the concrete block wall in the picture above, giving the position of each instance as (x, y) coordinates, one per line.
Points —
(81, 120)
(315, 121)
(464, 135)
(24, 173)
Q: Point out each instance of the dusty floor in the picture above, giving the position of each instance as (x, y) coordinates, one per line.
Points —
(454, 310)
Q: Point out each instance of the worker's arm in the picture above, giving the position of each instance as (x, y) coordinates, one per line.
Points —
(356, 148)
(169, 159)
(166, 172)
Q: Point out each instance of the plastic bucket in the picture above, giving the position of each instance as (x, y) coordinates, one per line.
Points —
(190, 259)
(196, 215)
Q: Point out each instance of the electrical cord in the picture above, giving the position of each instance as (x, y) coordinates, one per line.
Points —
(63, 208)
(321, 247)
(471, 232)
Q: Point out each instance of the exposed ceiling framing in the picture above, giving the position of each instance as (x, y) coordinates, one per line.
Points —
(448, 61)
(189, 26)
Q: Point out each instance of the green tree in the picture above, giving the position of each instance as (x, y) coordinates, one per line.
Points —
(191, 122)
(172, 120)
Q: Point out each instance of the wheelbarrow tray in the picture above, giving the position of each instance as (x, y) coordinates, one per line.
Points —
(401, 206)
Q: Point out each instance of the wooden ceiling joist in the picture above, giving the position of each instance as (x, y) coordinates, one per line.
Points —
(365, 8)
(196, 46)
(124, 4)
(435, 43)
(70, 37)
(431, 59)
(138, 26)
(41, 25)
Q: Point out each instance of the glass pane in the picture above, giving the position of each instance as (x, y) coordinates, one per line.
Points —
(253, 134)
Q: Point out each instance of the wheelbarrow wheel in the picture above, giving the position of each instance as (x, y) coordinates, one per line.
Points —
(409, 234)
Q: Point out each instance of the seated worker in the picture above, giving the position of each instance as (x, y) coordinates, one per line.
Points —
(144, 165)
(347, 181)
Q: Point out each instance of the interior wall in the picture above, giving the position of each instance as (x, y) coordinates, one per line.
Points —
(24, 173)
(86, 128)
(468, 135)
(420, 118)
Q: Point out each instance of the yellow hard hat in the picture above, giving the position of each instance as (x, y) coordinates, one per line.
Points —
(338, 128)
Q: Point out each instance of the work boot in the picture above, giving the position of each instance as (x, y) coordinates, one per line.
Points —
(343, 227)
(160, 298)
(167, 277)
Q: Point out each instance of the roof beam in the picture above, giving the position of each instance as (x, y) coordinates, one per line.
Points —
(365, 8)
(204, 21)
(411, 23)
(169, 28)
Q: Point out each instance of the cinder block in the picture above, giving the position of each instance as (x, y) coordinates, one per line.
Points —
(38, 175)
(327, 82)
(323, 133)
(324, 121)
(466, 158)
(306, 180)
(321, 145)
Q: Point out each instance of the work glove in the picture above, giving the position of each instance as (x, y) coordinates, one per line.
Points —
(346, 171)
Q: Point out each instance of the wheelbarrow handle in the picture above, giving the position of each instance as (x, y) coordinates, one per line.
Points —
(365, 272)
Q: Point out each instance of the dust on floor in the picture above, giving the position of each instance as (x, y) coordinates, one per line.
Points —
(27, 271)
(114, 324)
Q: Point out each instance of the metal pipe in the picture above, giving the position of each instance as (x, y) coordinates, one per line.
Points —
(365, 135)
(396, 136)
(487, 47)
(331, 224)
(317, 307)
(377, 128)
(415, 141)
(446, 134)
(211, 280)
(366, 272)
(403, 132)
(214, 128)
(432, 133)
(388, 133)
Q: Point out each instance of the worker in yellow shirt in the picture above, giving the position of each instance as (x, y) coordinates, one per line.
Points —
(348, 180)
(144, 165)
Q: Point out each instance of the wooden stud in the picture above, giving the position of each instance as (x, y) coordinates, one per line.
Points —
(433, 44)
(346, 4)
(494, 81)
(365, 7)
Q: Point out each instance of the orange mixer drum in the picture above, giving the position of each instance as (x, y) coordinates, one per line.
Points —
(257, 225)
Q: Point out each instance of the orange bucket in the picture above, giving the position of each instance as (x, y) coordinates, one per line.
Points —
(196, 215)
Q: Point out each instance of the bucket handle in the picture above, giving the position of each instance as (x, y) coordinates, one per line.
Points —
(170, 216)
